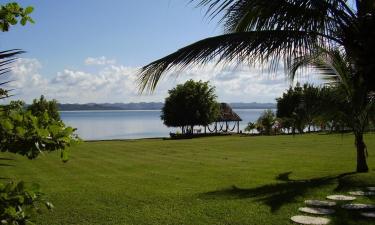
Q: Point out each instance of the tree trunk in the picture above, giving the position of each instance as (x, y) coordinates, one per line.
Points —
(361, 153)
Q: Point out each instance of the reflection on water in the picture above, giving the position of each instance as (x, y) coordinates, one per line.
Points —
(129, 124)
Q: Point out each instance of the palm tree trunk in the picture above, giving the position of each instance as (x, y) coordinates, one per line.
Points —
(361, 153)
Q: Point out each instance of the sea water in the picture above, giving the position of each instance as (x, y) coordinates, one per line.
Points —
(131, 124)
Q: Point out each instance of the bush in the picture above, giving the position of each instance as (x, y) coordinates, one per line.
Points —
(265, 122)
(18, 203)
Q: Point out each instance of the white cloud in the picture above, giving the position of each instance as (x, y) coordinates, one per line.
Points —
(101, 61)
(26, 79)
(118, 83)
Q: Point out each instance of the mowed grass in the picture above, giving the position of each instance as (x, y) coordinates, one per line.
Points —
(215, 180)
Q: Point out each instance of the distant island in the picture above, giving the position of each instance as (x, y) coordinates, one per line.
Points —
(150, 106)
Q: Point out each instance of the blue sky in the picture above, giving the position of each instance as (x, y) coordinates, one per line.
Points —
(134, 32)
(90, 50)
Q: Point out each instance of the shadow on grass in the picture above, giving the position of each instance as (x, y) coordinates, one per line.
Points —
(4, 164)
(352, 217)
(277, 194)
(6, 159)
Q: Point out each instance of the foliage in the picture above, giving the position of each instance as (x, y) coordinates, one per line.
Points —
(42, 105)
(12, 13)
(18, 203)
(23, 133)
(266, 122)
(289, 108)
(325, 108)
(250, 127)
(189, 104)
(29, 135)
(299, 106)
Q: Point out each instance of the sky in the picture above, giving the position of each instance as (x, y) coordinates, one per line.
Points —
(91, 50)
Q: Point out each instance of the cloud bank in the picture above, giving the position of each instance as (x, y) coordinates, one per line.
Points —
(111, 82)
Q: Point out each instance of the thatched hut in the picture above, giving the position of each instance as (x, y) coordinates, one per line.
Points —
(227, 116)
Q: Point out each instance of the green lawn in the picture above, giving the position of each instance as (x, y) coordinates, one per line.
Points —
(216, 180)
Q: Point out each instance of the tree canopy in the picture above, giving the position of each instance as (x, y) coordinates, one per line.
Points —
(265, 122)
(42, 105)
(189, 104)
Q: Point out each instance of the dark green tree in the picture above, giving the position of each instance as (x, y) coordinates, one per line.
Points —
(42, 105)
(265, 122)
(190, 104)
(299, 106)
(266, 32)
(289, 109)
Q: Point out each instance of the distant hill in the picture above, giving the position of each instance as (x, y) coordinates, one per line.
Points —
(112, 106)
(149, 106)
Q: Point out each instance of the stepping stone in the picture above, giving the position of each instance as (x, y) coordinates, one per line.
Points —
(309, 220)
(368, 214)
(358, 206)
(341, 197)
(319, 211)
(320, 203)
(362, 193)
(371, 188)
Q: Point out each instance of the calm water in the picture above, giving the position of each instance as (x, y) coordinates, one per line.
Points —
(129, 124)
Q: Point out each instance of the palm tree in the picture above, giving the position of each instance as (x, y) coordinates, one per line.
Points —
(267, 32)
(349, 102)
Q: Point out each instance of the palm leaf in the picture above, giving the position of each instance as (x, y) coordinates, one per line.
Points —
(251, 47)
(331, 64)
(228, 8)
(6, 59)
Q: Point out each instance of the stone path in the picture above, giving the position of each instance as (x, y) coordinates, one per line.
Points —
(318, 211)
(318, 207)
(320, 203)
(362, 193)
(368, 214)
(341, 197)
(357, 206)
(310, 220)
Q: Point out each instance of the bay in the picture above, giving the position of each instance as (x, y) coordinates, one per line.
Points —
(130, 124)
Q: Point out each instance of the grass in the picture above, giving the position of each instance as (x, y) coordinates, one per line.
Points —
(216, 180)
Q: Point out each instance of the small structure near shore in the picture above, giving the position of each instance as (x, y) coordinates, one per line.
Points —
(228, 121)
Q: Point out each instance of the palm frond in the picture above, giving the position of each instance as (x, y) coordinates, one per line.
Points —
(319, 16)
(247, 47)
(340, 8)
(10, 53)
(325, 17)
(6, 59)
(331, 64)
